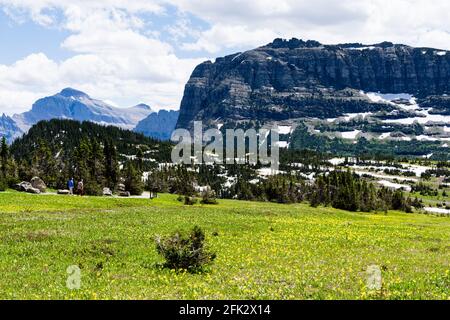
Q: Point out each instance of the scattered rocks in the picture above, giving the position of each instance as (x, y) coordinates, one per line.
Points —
(63, 192)
(39, 184)
(25, 186)
(107, 192)
(122, 191)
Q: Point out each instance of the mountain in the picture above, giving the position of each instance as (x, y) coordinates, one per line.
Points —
(302, 79)
(158, 125)
(77, 105)
(9, 128)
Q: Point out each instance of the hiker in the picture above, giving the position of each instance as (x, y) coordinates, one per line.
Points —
(71, 185)
(80, 188)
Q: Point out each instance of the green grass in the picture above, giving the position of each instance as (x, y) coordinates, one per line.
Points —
(264, 250)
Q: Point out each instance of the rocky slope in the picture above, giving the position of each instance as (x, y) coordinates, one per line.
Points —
(9, 128)
(158, 125)
(295, 78)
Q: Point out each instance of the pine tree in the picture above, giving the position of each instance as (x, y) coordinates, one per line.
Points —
(4, 157)
(139, 159)
(133, 179)
(81, 157)
(3, 163)
(94, 180)
(111, 167)
(44, 164)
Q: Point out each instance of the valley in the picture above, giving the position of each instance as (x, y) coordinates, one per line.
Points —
(362, 181)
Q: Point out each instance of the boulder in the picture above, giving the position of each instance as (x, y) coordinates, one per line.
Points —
(33, 190)
(39, 184)
(22, 186)
(25, 186)
(124, 194)
(63, 192)
(121, 187)
(107, 192)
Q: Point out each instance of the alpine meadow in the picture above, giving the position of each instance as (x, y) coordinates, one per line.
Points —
(225, 160)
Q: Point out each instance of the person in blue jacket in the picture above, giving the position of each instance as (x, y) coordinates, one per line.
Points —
(71, 185)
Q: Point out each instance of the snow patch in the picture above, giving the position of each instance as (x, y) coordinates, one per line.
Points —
(437, 210)
(284, 129)
(350, 134)
(283, 144)
(393, 185)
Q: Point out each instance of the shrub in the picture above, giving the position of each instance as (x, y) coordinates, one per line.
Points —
(209, 197)
(91, 188)
(189, 201)
(133, 180)
(185, 252)
(3, 184)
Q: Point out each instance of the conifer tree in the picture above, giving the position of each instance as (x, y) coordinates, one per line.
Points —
(111, 167)
(133, 179)
(4, 157)
(44, 164)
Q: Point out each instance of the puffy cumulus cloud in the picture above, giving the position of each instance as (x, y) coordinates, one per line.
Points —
(126, 80)
(120, 54)
(44, 11)
(115, 58)
(228, 39)
(414, 22)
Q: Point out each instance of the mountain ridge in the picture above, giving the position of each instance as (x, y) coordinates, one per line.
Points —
(73, 104)
(77, 105)
(288, 79)
(159, 124)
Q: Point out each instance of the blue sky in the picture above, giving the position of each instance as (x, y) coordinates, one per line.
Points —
(128, 52)
(21, 39)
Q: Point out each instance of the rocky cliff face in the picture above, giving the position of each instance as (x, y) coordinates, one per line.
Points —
(9, 129)
(295, 78)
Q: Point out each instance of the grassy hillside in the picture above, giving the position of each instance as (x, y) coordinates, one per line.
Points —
(264, 251)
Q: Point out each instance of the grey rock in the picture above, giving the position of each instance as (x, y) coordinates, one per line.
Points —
(33, 190)
(295, 78)
(9, 128)
(39, 184)
(158, 125)
(26, 187)
(107, 192)
(63, 192)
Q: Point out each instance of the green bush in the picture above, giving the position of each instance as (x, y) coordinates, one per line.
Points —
(209, 197)
(185, 252)
(189, 201)
(3, 185)
(93, 189)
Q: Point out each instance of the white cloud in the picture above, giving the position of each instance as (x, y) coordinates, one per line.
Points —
(126, 80)
(413, 22)
(120, 54)
(114, 59)
(208, 40)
